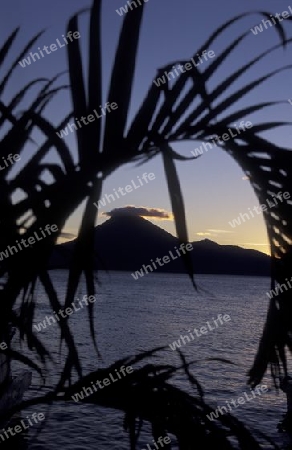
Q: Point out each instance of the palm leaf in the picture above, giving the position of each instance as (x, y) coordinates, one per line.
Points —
(177, 205)
(122, 80)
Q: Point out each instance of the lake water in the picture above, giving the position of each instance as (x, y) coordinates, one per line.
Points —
(133, 316)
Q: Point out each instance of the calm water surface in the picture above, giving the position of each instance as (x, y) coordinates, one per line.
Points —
(132, 316)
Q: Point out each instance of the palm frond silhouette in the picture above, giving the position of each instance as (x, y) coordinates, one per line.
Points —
(183, 109)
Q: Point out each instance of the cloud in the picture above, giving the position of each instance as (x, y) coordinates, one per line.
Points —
(220, 231)
(212, 232)
(140, 211)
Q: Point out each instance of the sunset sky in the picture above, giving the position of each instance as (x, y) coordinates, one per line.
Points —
(214, 187)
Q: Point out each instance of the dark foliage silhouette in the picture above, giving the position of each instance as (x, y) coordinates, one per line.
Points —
(183, 109)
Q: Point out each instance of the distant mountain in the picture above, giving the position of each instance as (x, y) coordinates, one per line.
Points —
(128, 242)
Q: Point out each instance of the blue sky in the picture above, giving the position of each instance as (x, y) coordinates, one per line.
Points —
(214, 186)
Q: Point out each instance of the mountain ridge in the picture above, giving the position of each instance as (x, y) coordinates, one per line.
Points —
(127, 242)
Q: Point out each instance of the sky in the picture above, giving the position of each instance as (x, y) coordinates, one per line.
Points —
(215, 188)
